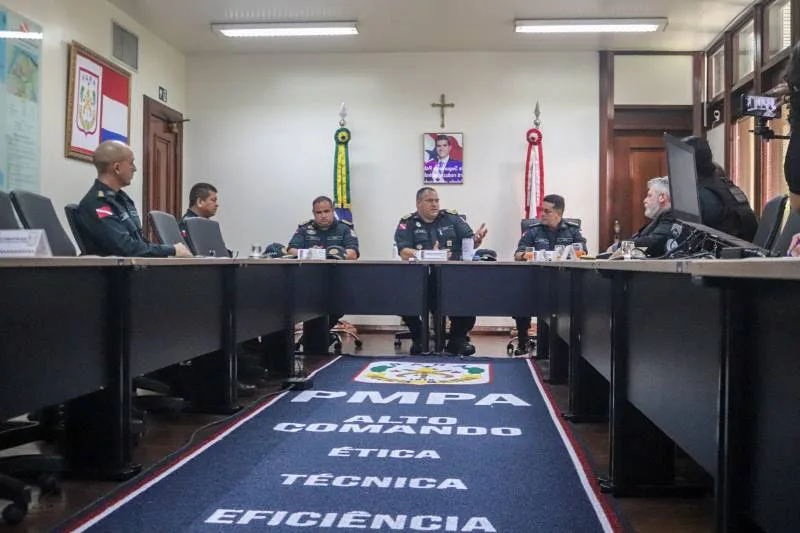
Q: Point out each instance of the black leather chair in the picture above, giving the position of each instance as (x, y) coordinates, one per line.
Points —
(8, 219)
(40, 468)
(71, 210)
(783, 241)
(36, 212)
(205, 237)
(166, 228)
(770, 224)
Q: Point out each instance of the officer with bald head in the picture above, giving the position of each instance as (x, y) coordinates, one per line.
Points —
(107, 217)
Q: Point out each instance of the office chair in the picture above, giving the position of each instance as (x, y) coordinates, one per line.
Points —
(770, 224)
(8, 219)
(525, 224)
(71, 210)
(166, 228)
(205, 237)
(792, 226)
(36, 212)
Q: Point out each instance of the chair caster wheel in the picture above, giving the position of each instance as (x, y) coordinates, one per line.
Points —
(49, 484)
(397, 344)
(337, 348)
(13, 514)
(359, 343)
(510, 349)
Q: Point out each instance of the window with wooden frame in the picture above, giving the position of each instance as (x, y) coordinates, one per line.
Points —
(778, 28)
(716, 73)
(744, 46)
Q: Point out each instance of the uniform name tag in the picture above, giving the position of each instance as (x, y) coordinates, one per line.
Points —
(24, 243)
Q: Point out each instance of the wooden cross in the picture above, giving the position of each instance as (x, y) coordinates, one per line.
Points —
(441, 105)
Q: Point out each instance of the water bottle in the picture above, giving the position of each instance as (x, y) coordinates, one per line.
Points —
(395, 253)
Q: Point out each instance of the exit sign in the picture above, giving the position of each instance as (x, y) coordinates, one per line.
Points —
(162, 94)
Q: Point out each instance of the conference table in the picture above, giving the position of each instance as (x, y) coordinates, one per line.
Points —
(689, 353)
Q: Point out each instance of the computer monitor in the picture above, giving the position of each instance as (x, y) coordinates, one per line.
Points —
(682, 172)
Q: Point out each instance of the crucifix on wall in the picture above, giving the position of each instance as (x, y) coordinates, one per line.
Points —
(442, 104)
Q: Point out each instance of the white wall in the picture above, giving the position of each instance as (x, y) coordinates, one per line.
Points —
(653, 80)
(262, 131)
(89, 22)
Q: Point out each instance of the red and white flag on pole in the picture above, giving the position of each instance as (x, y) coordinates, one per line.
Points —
(534, 169)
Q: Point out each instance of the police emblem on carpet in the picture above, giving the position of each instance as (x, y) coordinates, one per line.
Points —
(425, 373)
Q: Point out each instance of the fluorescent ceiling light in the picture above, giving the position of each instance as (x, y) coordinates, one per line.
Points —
(590, 25)
(288, 29)
(21, 35)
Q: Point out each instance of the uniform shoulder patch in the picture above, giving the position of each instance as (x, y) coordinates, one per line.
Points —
(572, 223)
(101, 194)
(408, 216)
(306, 223)
(346, 222)
(450, 211)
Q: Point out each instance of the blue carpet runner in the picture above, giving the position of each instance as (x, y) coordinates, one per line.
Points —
(380, 444)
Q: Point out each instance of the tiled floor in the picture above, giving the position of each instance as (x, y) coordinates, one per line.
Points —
(167, 434)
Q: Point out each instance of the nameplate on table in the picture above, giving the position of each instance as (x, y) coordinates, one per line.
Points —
(24, 243)
(315, 254)
(434, 255)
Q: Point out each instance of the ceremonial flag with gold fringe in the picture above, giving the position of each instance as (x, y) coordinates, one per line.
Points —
(341, 175)
(534, 170)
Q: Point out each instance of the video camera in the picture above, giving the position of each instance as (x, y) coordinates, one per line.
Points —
(764, 109)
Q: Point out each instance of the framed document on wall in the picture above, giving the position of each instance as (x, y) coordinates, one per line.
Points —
(98, 103)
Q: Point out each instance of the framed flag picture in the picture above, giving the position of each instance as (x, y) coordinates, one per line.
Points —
(98, 103)
(442, 158)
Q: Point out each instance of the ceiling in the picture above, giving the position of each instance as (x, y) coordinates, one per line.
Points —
(431, 25)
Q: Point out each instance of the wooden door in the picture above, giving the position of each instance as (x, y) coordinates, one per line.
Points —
(637, 159)
(163, 161)
(633, 154)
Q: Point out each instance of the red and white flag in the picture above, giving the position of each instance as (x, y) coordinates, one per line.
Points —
(103, 212)
(534, 174)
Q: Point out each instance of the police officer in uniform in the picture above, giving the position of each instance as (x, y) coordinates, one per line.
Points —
(108, 219)
(203, 201)
(723, 205)
(663, 232)
(327, 232)
(551, 231)
(431, 228)
(324, 231)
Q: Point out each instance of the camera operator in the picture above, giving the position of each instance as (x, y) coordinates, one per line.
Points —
(790, 90)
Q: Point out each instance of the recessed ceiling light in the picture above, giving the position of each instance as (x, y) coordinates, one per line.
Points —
(287, 29)
(590, 25)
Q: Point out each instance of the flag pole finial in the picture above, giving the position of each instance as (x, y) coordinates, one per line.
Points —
(536, 114)
(342, 115)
